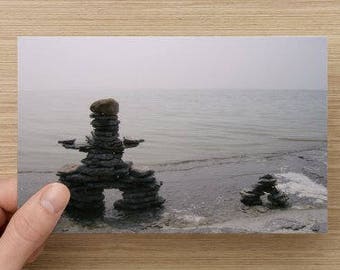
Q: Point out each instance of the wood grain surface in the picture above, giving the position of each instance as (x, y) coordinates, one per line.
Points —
(241, 18)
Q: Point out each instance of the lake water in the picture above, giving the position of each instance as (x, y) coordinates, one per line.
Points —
(178, 126)
(205, 146)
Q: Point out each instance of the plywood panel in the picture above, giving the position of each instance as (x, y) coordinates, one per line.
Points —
(241, 18)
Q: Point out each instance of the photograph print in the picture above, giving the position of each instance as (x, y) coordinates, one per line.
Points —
(176, 134)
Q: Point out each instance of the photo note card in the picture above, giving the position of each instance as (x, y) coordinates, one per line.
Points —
(176, 134)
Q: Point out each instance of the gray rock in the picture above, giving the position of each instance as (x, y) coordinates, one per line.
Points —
(104, 138)
(81, 178)
(103, 184)
(103, 117)
(109, 147)
(268, 182)
(258, 189)
(134, 180)
(279, 199)
(68, 169)
(67, 142)
(86, 189)
(109, 124)
(105, 106)
(250, 199)
(116, 163)
(87, 197)
(99, 133)
(315, 227)
(115, 145)
(101, 156)
(138, 194)
(112, 129)
(130, 143)
(140, 200)
(103, 171)
(138, 188)
(140, 173)
(98, 150)
(87, 205)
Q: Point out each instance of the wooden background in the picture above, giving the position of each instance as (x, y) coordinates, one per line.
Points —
(242, 18)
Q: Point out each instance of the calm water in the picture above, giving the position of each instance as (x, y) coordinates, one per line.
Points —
(178, 126)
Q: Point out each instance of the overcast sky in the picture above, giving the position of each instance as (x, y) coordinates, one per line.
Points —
(98, 63)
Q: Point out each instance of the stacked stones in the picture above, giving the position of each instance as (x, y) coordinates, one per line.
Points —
(265, 185)
(140, 191)
(103, 168)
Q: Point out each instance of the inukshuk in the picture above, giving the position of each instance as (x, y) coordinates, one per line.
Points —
(103, 167)
(267, 184)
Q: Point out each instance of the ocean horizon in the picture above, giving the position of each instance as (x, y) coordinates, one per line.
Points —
(179, 126)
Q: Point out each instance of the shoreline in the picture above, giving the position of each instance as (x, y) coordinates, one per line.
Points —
(206, 162)
(206, 198)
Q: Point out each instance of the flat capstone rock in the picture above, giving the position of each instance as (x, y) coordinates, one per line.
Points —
(106, 106)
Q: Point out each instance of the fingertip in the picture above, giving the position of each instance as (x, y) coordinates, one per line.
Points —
(54, 197)
(61, 188)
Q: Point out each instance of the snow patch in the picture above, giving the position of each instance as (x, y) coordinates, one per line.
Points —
(193, 219)
(302, 186)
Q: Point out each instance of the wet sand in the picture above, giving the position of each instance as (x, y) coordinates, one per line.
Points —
(203, 196)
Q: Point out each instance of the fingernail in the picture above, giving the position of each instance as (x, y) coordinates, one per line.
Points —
(53, 198)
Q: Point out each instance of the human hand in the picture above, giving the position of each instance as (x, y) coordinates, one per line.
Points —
(25, 230)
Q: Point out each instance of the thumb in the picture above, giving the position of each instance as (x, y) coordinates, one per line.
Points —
(32, 224)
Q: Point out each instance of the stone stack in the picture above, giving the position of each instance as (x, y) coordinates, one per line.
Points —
(140, 191)
(278, 199)
(103, 168)
(267, 184)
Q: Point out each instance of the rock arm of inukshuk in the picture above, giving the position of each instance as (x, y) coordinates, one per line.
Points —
(103, 168)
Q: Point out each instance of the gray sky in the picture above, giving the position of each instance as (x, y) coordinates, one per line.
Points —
(95, 63)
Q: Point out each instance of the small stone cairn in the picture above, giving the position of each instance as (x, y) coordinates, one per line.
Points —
(103, 168)
(267, 184)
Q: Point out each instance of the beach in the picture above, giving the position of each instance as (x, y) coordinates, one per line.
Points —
(203, 196)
